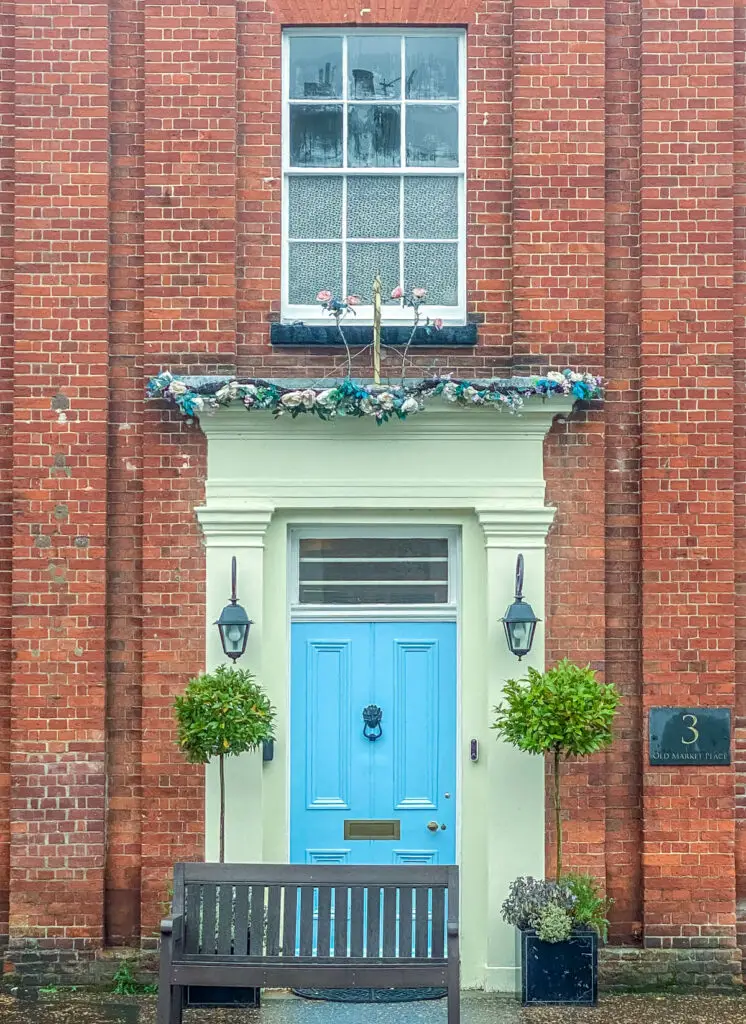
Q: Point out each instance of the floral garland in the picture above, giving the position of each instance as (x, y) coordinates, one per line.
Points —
(381, 402)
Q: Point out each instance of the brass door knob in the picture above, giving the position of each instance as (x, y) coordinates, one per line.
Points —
(432, 826)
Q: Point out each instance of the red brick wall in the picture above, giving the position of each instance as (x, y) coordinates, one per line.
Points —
(140, 228)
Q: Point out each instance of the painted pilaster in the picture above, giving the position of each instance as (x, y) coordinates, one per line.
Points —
(513, 810)
(240, 533)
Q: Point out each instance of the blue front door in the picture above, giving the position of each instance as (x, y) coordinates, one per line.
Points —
(401, 785)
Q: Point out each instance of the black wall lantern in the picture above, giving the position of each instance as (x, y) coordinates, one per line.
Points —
(519, 620)
(234, 624)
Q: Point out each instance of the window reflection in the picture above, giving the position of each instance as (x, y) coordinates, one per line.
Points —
(315, 136)
(374, 136)
(431, 68)
(374, 64)
(315, 67)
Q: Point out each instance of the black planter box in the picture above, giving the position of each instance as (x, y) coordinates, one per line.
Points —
(559, 972)
(216, 995)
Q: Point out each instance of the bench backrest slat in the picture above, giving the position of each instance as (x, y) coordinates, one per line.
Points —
(389, 921)
(274, 910)
(405, 922)
(241, 935)
(225, 922)
(438, 922)
(209, 917)
(402, 916)
(357, 920)
(341, 903)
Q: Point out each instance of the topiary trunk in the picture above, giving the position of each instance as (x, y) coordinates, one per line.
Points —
(558, 811)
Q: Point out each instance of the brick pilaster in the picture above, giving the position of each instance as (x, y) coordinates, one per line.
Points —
(7, 188)
(558, 309)
(622, 417)
(59, 452)
(687, 455)
(189, 319)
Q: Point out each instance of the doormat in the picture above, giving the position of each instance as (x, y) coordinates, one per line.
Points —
(371, 995)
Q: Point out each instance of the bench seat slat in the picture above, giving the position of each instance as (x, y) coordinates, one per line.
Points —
(369, 974)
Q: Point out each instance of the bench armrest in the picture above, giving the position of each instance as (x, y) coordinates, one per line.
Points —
(173, 926)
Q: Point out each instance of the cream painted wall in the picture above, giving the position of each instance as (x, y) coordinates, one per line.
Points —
(475, 469)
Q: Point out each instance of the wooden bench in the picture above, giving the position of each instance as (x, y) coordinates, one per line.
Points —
(327, 926)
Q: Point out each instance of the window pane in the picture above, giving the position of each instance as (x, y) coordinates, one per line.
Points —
(433, 266)
(373, 207)
(401, 570)
(365, 260)
(431, 67)
(315, 67)
(312, 267)
(368, 548)
(374, 64)
(315, 136)
(431, 207)
(330, 593)
(314, 207)
(374, 136)
(432, 136)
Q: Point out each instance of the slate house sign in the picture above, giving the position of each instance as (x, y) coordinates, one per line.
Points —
(689, 736)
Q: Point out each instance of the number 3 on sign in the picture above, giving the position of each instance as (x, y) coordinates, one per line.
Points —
(692, 728)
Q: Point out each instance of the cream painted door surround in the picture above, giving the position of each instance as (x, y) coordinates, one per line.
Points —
(478, 471)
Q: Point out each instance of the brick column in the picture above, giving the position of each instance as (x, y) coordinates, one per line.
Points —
(739, 427)
(622, 419)
(189, 322)
(687, 458)
(558, 319)
(7, 185)
(59, 449)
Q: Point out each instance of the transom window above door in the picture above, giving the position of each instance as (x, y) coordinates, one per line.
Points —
(374, 159)
(367, 569)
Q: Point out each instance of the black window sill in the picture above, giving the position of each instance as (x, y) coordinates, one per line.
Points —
(300, 334)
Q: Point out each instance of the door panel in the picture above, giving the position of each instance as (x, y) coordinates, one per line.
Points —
(337, 774)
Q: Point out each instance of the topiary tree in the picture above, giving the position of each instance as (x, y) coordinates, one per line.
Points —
(564, 711)
(222, 713)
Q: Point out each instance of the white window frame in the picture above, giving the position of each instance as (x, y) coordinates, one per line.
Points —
(393, 314)
(380, 612)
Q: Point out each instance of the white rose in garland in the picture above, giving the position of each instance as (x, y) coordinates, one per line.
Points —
(292, 399)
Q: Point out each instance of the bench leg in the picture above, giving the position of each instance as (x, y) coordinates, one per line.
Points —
(170, 1004)
(454, 1005)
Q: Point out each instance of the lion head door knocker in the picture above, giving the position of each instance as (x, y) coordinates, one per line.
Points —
(372, 716)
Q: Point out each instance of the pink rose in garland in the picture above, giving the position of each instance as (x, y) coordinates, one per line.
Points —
(323, 295)
(419, 293)
(398, 292)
